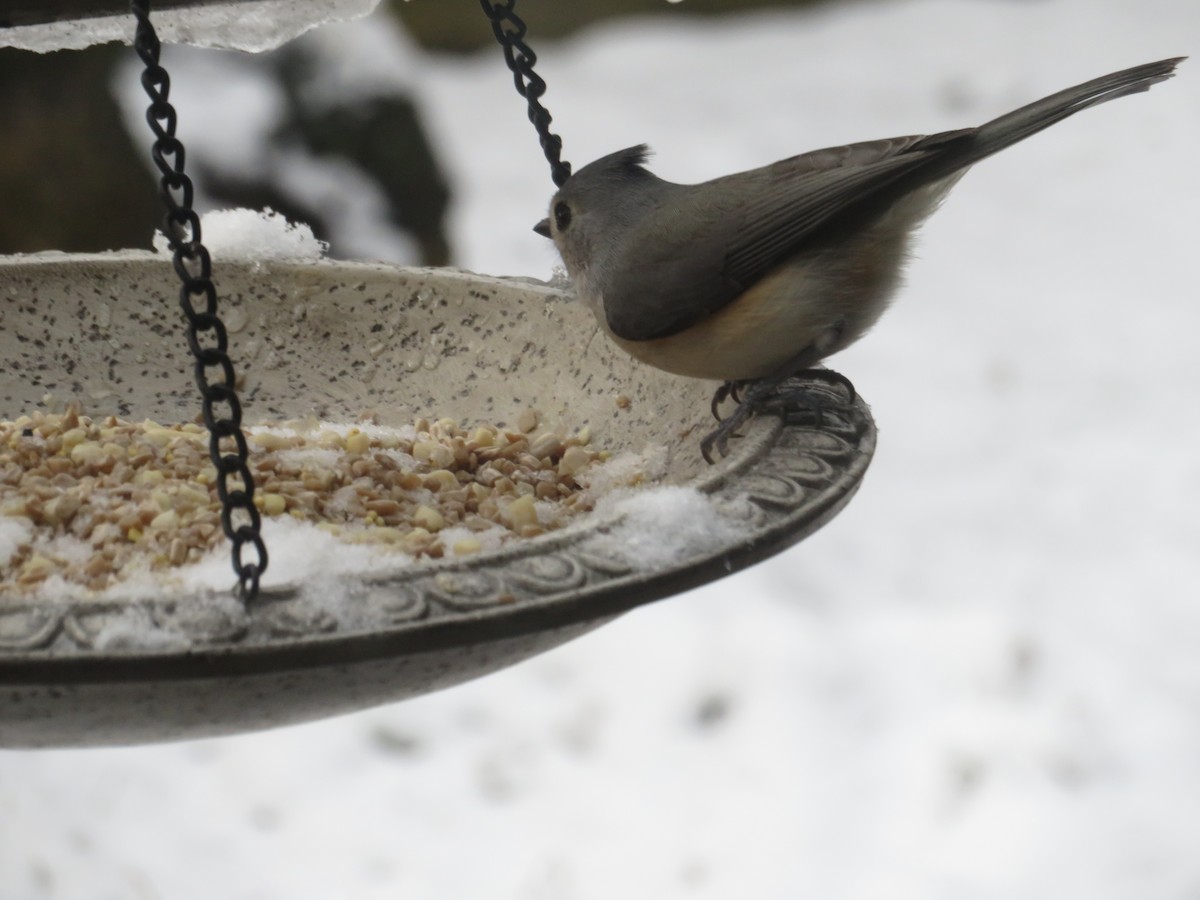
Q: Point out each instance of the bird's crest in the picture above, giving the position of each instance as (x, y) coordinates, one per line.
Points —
(632, 159)
(627, 163)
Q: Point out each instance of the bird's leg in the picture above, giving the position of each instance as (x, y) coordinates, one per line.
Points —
(770, 394)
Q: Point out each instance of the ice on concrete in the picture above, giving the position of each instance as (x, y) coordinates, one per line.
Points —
(252, 27)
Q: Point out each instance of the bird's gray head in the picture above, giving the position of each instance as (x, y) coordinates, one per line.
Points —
(596, 206)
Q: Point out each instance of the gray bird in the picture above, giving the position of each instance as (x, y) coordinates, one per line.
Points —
(752, 278)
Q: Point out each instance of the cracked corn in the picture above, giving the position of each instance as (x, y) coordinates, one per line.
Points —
(99, 496)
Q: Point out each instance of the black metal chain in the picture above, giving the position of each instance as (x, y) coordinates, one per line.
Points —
(194, 268)
(510, 32)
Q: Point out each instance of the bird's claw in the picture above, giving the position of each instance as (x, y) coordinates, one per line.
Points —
(729, 390)
(719, 437)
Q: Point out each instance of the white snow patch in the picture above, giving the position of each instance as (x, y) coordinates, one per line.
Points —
(15, 532)
(252, 236)
(625, 469)
(662, 526)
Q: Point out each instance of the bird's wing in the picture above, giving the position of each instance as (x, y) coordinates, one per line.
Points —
(671, 279)
(692, 259)
(806, 192)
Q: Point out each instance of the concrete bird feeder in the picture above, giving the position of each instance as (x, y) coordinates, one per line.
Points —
(116, 668)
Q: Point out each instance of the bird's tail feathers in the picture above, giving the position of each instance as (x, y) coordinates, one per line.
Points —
(1028, 120)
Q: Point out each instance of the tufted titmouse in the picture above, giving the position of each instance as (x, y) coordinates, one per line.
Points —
(755, 277)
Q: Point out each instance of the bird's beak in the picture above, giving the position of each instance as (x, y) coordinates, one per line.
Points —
(543, 228)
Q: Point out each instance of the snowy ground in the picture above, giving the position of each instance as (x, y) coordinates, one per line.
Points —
(981, 681)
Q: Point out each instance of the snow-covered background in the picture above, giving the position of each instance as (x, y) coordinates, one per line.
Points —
(981, 681)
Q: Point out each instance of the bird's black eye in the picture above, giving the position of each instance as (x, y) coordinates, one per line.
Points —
(562, 215)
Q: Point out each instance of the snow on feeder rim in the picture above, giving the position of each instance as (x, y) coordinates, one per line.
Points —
(169, 654)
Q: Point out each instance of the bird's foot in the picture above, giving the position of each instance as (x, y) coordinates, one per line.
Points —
(796, 394)
(783, 396)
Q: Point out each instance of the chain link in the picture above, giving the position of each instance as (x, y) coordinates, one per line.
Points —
(510, 32)
(206, 334)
